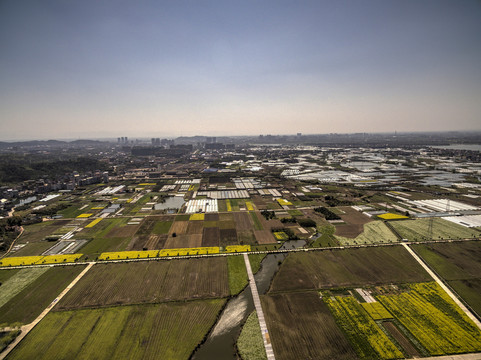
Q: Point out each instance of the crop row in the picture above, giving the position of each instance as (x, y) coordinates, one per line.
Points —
(434, 319)
(377, 310)
(368, 339)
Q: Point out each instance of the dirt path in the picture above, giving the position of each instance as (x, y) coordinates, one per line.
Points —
(27, 328)
(13, 242)
(260, 313)
(445, 288)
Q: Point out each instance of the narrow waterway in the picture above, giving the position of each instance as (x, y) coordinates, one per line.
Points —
(221, 341)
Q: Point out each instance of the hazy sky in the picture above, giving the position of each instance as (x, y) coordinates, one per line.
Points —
(94, 68)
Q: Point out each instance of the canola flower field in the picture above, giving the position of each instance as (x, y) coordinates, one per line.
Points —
(434, 319)
(369, 341)
(391, 216)
(93, 223)
(39, 260)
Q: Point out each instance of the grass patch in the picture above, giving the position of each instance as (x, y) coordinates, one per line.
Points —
(257, 222)
(374, 232)
(250, 343)
(442, 229)
(162, 227)
(237, 274)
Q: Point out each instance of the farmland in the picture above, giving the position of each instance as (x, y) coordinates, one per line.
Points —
(341, 268)
(302, 327)
(132, 332)
(19, 280)
(36, 260)
(418, 229)
(374, 232)
(459, 265)
(237, 274)
(368, 339)
(149, 282)
(434, 319)
(354, 222)
(34, 298)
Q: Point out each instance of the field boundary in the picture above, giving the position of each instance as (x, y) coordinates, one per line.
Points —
(260, 313)
(443, 286)
(27, 328)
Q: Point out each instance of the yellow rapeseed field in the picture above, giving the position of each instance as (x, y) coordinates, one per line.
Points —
(249, 206)
(391, 216)
(38, 260)
(281, 235)
(93, 223)
(84, 216)
(283, 202)
(197, 217)
(237, 248)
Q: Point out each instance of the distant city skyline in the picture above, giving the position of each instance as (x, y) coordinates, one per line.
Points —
(104, 69)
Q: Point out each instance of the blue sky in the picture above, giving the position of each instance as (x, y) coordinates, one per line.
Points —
(71, 69)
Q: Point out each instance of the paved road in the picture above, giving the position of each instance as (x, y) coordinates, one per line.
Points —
(27, 328)
(476, 356)
(260, 313)
(445, 288)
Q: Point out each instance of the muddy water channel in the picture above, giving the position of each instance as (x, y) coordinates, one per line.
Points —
(221, 341)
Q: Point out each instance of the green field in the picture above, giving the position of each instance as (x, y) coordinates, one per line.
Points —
(460, 265)
(250, 343)
(347, 268)
(162, 227)
(374, 232)
(434, 319)
(170, 330)
(257, 222)
(418, 229)
(19, 281)
(237, 274)
(33, 299)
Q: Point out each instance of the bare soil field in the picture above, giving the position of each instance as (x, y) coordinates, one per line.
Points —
(211, 236)
(149, 282)
(123, 231)
(401, 339)
(183, 241)
(264, 237)
(354, 220)
(228, 237)
(243, 221)
(151, 242)
(211, 217)
(179, 227)
(226, 224)
(302, 327)
(195, 227)
(346, 268)
(226, 217)
(270, 224)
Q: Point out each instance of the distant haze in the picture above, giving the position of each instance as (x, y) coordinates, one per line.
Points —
(94, 68)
